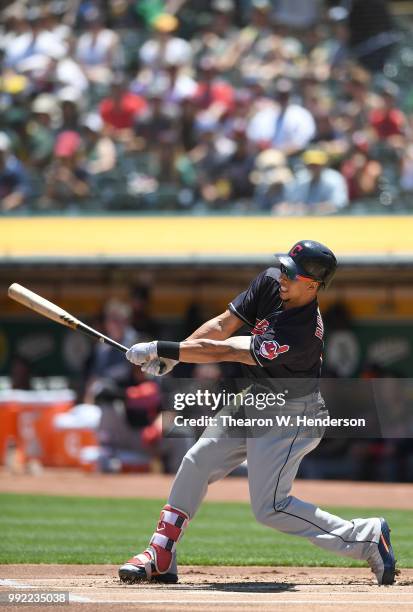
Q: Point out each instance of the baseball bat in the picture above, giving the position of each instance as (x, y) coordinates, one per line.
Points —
(51, 311)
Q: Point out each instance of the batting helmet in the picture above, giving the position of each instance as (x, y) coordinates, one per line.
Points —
(311, 259)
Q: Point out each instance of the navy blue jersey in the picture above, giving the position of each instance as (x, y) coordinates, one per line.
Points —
(285, 343)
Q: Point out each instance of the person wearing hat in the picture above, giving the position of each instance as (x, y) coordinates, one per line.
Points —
(14, 184)
(271, 177)
(317, 189)
(45, 118)
(164, 45)
(287, 126)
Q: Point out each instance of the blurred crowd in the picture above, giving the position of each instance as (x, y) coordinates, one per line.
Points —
(270, 106)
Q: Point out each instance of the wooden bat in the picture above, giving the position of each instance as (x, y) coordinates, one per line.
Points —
(51, 311)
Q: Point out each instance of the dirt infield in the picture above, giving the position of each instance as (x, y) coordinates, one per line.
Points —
(201, 588)
(320, 492)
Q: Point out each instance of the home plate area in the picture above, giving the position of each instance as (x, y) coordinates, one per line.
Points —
(201, 588)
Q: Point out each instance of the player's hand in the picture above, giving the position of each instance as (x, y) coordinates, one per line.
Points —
(142, 352)
(159, 367)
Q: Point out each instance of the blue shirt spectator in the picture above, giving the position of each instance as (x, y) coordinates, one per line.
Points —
(316, 189)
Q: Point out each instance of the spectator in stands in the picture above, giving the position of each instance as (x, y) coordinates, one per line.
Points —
(213, 93)
(120, 110)
(317, 189)
(67, 181)
(14, 185)
(286, 126)
(108, 365)
(34, 44)
(361, 172)
(388, 120)
(97, 49)
(164, 46)
(216, 38)
(70, 100)
(271, 177)
(100, 151)
(46, 114)
(158, 117)
(236, 169)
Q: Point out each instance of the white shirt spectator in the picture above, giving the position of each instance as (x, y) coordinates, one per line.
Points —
(176, 51)
(96, 50)
(26, 46)
(331, 187)
(288, 131)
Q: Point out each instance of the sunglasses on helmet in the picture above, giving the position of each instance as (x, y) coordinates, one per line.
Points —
(291, 275)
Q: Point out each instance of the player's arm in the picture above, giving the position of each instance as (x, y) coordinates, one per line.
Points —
(219, 328)
(194, 351)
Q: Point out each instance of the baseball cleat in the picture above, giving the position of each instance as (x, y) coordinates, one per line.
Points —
(384, 567)
(131, 574)
(143, 568)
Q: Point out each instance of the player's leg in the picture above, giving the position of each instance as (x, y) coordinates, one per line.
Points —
(273, 463)
(210, 459)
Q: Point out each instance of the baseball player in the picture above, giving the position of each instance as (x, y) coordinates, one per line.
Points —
(286, 341)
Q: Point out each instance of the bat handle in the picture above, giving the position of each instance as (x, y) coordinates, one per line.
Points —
(89, 331)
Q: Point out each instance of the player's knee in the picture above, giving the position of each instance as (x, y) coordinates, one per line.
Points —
(268, 512)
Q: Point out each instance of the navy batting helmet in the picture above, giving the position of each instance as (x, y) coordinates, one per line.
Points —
(309, 259)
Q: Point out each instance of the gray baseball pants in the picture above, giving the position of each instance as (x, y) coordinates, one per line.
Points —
(273, 462)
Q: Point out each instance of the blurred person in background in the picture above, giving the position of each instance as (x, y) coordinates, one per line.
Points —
(45, 118)
(70, 100)
(255, 34)
(237, 167)
(164, 46)
(271, 177)
(67, 181)
(97, 49)
(213, 95)
(316, 189)
(218, 34)
(107, 364)
(121, 108)
(14, 184)
(100, 150)
(286, 126)
(388, 121)
(158, 116)
(141, 319)
(361, 171)
(33, 44)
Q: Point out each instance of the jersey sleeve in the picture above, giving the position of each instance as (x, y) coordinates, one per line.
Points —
(245, 305)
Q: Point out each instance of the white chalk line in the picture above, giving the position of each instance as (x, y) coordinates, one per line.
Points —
(205, 602)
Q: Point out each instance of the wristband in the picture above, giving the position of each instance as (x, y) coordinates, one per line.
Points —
(169, 350)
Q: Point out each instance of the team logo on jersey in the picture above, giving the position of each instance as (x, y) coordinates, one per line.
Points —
(270, 349)
(260, 327)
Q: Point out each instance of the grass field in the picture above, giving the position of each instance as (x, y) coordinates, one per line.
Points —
(46, 529)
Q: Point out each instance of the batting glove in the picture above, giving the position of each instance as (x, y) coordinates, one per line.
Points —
(142, 352)
(159, 367)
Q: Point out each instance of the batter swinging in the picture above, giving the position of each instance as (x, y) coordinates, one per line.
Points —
(280, 307)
